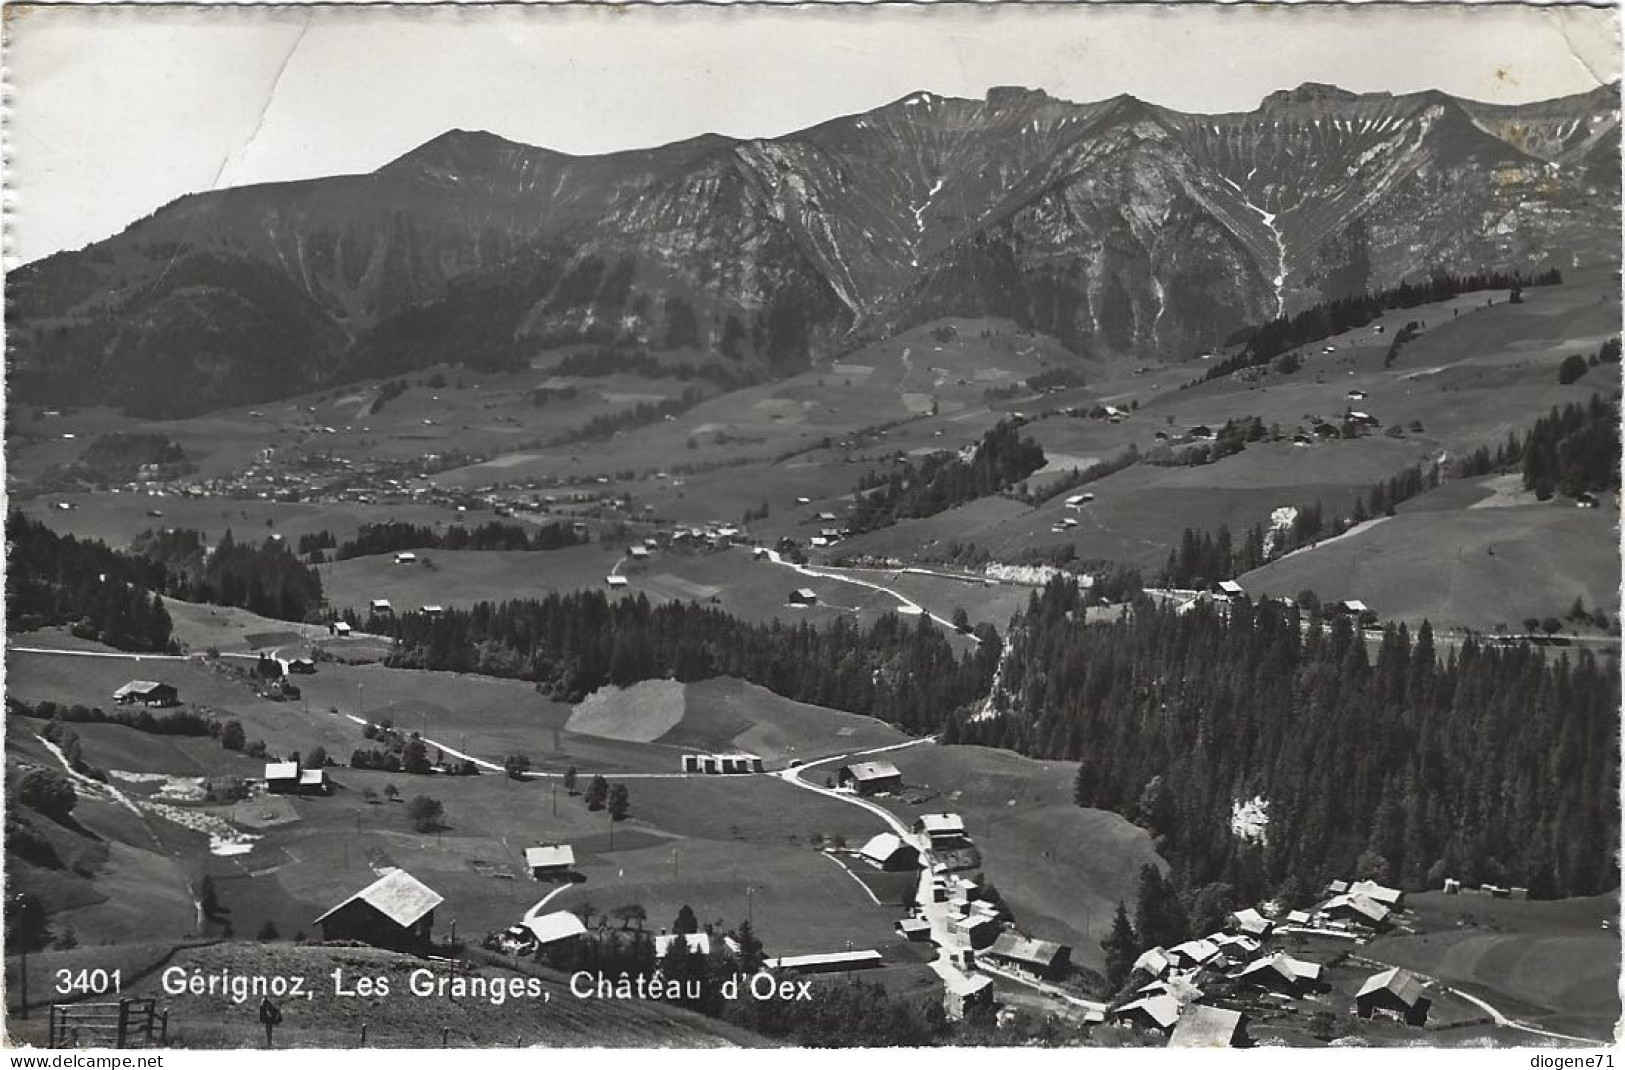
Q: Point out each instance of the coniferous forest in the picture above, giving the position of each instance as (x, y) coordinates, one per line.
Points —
(944, 480)
(104, 594)
(902, 671)
(266, 579)
(1482, 763)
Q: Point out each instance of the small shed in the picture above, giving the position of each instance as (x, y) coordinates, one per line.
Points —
(341, 629)
(914, 928)
(381, 605)
(146, 693)
(1229, 588)
(550, 861)
(1394, 992)
(803, 596)
(617, 581)
(406, 557)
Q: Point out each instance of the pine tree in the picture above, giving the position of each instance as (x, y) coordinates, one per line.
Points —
(1122, 947)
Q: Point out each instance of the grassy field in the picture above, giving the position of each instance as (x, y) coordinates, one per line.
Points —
(1551, 964)
(726, 714)
(1477, 568)
(464, 577)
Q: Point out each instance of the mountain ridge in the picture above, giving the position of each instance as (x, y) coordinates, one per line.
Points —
(1116, 226)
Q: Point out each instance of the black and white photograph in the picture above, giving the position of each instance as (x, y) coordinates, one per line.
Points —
(776, 526)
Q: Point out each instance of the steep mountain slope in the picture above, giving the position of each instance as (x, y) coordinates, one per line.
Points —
(1117, 226)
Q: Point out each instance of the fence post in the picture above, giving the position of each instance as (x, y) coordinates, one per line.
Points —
(123, 1024)
(363, 1034)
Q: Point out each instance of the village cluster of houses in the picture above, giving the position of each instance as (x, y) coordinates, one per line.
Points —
(950, 907)
(1197, 993)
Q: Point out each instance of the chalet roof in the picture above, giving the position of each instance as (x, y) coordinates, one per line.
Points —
(1298, 917)
(805, 592)
(1240, 941)
(828, 958)
(398, 896)
(1202, 1026)
(1284, 965)
(1198, 951)
(1013, 945)
(1231, 587)
(550, 928)
(1252, 922)
(1403, 984)
(873, 770)
(1388, 897)
(964, 985)
(554, 854)
(941, 824)
(281, 770)
(138, 687)
(1162, 1009)
(1358, 904)
(316, 777)
(884, 846)
(1154, 961)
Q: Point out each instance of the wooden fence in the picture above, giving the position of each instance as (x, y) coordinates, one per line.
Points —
(129, 1023)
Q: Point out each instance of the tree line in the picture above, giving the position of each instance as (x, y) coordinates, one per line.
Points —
(104, 594)
(943, 480)
(901, 671)
(1573, 449)
(392, 536)
(267, 579)
(1264, 343)
(1488, 764)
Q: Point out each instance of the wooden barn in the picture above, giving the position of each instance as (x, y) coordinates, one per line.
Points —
(1041, 958)
(888, 852)
(396, 911)
(868, 778)
(282, 778)
(147, 693)
(550, 862)
(1394, 992)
